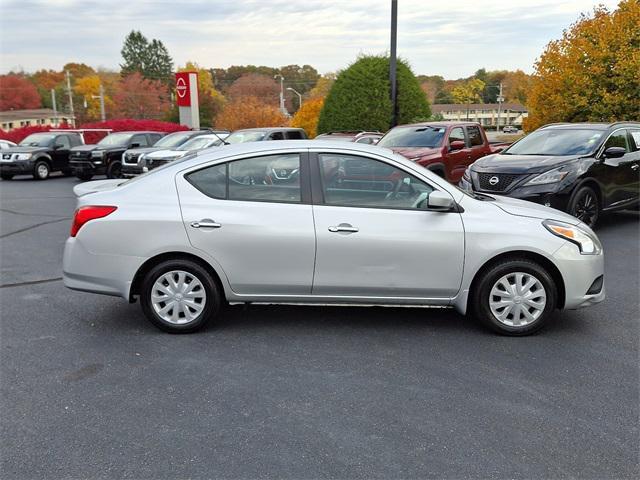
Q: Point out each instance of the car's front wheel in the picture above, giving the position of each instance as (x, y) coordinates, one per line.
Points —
(179, 296)
(514, 297)
(6, 176)
(41, 171)
(584, 205)
(114, 170)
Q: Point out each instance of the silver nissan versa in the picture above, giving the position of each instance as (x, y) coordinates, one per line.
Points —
(329, 223)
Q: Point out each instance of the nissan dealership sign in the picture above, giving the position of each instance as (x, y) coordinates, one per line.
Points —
(187, 98)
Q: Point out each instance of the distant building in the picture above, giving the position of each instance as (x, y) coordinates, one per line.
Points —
(11, 119)
(486, 114)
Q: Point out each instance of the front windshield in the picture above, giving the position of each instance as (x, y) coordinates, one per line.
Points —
(242, 137)
(37, 140)
(199, 143)
(173, 140)
(423, 136)
(115, 139)
(557, 142)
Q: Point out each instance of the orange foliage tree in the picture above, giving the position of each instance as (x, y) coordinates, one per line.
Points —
(592, 73)
(138, 97)
(16, 93)
(307, 116)
(249, 112)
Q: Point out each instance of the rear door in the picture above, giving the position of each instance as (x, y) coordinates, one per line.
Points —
(60, 153)
(257, 227)
(374, 237)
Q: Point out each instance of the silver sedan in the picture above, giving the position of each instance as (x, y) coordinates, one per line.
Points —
(329, 223)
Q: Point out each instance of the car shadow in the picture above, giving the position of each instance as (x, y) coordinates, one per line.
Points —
(614, 220)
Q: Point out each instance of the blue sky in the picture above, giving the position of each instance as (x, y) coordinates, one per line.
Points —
(452, 39)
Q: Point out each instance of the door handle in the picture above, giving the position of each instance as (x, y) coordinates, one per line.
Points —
(344, 227)
(205, 224)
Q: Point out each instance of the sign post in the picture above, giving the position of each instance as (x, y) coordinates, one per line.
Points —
(187, 99)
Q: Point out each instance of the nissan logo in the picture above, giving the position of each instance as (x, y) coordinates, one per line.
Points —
(494, 180)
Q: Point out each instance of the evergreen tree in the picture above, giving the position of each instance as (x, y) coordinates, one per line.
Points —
(150, 59)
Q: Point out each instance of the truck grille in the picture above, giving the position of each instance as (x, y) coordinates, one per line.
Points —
(496, 182)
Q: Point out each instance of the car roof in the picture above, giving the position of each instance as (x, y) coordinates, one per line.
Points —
(267, 129)
(439, 124)
(590, 125)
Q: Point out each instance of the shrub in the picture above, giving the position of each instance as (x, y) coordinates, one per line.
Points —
(360, 98)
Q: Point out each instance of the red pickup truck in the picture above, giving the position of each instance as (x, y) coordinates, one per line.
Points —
(447, 148)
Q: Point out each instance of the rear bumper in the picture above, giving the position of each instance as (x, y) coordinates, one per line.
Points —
(103, 274)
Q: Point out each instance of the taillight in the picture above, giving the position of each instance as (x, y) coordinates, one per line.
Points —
(89, 212)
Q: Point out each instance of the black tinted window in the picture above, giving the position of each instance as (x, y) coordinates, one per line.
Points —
(618, 139)
(294, 135)
(475, 137)
(276, 136)
(352, 181)
(211, 181)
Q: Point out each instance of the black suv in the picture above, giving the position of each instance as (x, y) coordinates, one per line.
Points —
(39, 154)
(105, 157)
(581, 168)
(133, 159)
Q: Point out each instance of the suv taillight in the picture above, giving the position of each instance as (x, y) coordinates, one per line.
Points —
(87, 213)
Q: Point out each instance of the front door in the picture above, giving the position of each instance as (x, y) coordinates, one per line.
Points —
(374, 237)
(620, 174)
(253, 217)
(458, 160)
(60, 154)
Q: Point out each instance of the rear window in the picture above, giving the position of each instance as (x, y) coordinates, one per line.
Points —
(421, 136)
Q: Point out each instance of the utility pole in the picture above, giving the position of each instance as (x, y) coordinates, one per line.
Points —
(282, 109)
(55, 108)
(103, 117)
(500, 100)
(73, 117)
(392, 63)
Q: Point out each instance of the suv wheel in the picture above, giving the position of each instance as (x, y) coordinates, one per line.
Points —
(584, 205)
(41, 170)
(6, 176)
(179, 296)
(114, 170)
(515, 297)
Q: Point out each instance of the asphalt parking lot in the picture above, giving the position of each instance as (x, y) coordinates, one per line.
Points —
(91, 390)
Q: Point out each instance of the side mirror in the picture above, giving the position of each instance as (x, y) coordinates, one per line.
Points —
(134, 145)
(457, 145)
(439, 201)
(58, 146)
(615, 152)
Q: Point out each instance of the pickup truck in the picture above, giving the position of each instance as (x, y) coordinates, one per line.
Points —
(446, 148)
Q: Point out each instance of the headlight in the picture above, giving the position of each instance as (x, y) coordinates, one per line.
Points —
(467, 175)
(586, 241)
(552, 176)
(23, 156)
(98, 154)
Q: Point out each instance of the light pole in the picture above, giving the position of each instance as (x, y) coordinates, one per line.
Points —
(500, 99)
(392, 63)
(101, 97)
(281, 93)
(299, 96)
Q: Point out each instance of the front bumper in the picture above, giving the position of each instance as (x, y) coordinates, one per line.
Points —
(87, 166)
(132, 169)
(579, 273)
(17, 167)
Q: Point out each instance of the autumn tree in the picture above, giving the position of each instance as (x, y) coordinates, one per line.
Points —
(89, 89)
(307, 116)
(149, 58)
(17, 93)
(249, 112)
(592, 72)
(78, 70)
(138, 97)
(255, 85)
(360, 98)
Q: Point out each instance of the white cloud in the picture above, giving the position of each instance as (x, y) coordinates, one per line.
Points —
(449, 38)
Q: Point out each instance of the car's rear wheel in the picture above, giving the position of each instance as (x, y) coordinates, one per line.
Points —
(6, 176)
(179, 296)
(585, 205)
(41, 171)
(514, 297)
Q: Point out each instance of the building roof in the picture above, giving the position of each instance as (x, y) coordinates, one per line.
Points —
(17, 115)
(446, 107)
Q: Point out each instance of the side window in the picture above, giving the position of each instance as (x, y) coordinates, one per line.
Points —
(153, 138)
(276, 136)
(274, 178)
(294, 135)
(64, 141)
(635, 139)
(475, 137)
(141, 140)
(457, 134)
(351, 181)
(618, 139)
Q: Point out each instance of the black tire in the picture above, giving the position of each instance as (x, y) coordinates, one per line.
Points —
(114, 170)
(585, 205)
(6, 176)
(84, 176)
(67, 172)
(212, 299)
(41, 170)
(481, 296)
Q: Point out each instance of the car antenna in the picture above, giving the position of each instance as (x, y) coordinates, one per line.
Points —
(220, 138)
